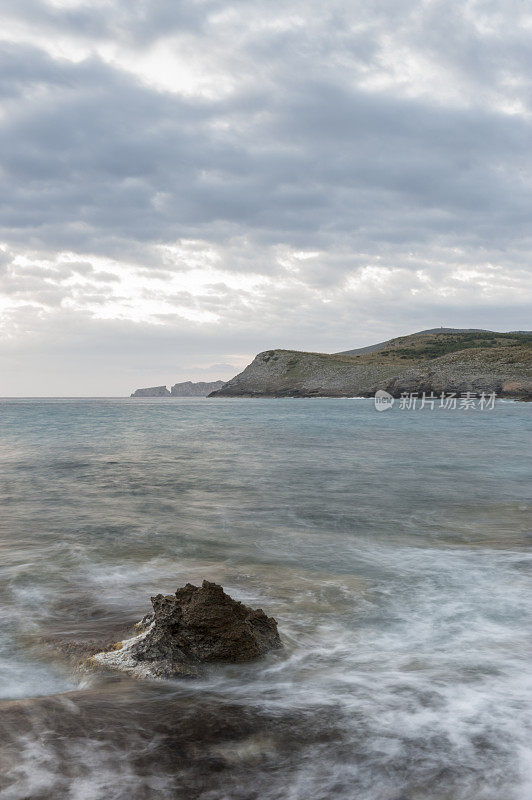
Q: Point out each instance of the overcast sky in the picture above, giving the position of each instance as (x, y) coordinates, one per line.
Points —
(187, 182)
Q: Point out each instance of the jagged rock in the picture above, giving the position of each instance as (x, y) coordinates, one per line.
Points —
(185, 389)
(152, 391)
(194, 626)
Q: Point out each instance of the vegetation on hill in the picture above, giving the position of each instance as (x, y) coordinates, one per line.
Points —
(427, 346)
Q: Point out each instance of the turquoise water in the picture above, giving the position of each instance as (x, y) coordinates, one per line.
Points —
(393, 549)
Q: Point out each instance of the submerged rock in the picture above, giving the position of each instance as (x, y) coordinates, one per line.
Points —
(194, 626)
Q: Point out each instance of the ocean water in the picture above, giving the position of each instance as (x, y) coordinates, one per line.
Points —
(393, 549)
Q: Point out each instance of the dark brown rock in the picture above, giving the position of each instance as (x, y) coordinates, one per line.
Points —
(196, 625)
(206, 624)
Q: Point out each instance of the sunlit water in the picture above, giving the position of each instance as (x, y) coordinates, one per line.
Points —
(392, 549)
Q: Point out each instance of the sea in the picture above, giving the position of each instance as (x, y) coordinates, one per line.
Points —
(392, 548)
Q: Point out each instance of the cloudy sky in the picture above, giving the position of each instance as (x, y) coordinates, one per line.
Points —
(187, 182)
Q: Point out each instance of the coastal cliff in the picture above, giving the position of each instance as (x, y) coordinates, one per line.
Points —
(152, 391)
(442, 361)
(199, 389)
(185, 389)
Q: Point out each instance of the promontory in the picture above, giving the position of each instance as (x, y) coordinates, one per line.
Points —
(184, 389)
(439, 360)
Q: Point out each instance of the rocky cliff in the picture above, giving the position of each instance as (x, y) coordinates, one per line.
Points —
(440, 361)
(152, 391)
(199, 389)
(185, 389)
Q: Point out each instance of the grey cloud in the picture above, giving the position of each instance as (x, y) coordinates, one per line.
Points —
(80, 267)
(85, 165)
(46, 286)
(105, 277)
(139, 22)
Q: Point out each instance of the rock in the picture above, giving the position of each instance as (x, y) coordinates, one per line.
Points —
(185, 389)
(152, 391)
(196, 625)
(198, 389)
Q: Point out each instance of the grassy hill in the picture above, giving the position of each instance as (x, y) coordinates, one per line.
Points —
(440, 360)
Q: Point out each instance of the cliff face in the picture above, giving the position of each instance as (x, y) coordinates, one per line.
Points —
(289, 373)
(199, 389)
(462, 361)
(152, 391)
(185, 389)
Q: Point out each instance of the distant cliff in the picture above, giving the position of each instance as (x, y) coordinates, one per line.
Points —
(185, 389)
(152, 391)
(437, 361)
(199, 389)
